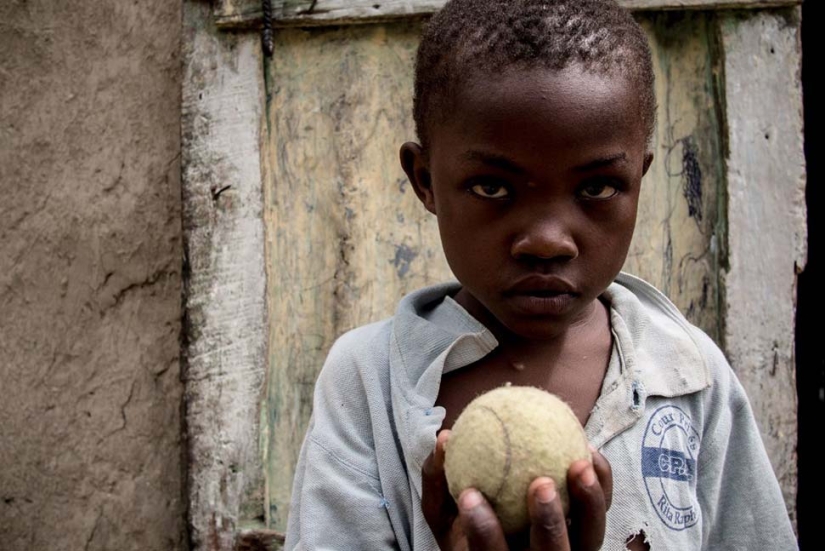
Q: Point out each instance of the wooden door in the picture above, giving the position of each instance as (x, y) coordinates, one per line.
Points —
(347, 238)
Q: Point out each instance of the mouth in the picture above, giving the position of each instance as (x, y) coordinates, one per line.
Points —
(542, 295)
(542, 286)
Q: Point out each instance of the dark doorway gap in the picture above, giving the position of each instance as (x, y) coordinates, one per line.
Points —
(810, 358)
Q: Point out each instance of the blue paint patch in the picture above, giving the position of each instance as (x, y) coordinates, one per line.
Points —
(692, 173)
(384, 504)
(404, 256)
(669, 451)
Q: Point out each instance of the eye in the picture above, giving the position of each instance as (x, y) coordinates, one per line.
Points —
(491, 190)
(598, 190)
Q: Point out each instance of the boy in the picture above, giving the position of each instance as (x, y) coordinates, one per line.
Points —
(535, 118)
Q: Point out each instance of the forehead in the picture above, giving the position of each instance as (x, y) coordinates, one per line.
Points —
(550, 111)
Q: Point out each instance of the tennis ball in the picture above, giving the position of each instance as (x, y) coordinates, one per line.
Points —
(505, 439)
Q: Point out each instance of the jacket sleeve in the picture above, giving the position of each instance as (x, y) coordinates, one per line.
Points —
(740, 497)
(337, 500)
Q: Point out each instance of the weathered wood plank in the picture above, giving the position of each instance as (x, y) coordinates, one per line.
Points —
(674, 246)
(766, 222)
(239, 13)
(347, 237)
(225, 342)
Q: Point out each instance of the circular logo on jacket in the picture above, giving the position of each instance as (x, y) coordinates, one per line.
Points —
(669, 452)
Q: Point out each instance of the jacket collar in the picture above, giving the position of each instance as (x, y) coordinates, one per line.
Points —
(658, 354)
(433, 335)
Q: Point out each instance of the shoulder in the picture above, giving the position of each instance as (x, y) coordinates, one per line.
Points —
(677, 348)
(697, 478)
(651, 315)
(411, 327)
(356, 364)
(669, 354)
(360, 346)
(350, 385)
(724, 379)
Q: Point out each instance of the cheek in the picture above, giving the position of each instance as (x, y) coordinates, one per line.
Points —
(627, 221)
(619, 228)
(472, 243)
(464, 243)
(609, 244)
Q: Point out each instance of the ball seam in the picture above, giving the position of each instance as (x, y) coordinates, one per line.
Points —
(508, 457)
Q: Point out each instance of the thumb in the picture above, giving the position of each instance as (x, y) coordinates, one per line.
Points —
(438, 506)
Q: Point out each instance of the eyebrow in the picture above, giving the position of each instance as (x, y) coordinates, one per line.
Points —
(603, 162)
(494, 160)
(502, 162)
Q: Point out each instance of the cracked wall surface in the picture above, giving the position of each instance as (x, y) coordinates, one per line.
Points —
(90, 276)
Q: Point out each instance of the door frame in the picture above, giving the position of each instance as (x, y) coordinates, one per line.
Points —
(225, 303)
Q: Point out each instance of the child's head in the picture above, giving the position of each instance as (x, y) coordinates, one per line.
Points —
(534, 118)
(471, 39)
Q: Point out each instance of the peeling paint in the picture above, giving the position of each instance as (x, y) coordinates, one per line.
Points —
(404, 257)
(692, 175)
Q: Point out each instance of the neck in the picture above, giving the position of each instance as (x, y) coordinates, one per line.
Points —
(590, 321)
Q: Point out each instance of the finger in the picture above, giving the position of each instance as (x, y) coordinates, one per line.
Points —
(480, 523)
(548, 527)
(437, 504)
(587, 506)
(604, 472)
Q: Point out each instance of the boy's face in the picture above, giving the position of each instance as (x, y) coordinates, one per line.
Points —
(534, 177)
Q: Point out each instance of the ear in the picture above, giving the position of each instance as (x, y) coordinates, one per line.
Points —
(415, 163)
(648, 162)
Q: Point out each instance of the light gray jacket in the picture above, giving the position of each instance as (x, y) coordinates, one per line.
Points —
(689, 468)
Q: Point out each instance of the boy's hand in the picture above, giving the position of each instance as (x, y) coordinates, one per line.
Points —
(471, 524)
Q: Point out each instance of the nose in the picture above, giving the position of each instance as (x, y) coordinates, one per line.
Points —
(545, 239)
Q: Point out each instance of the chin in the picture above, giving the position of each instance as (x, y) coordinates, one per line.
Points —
(544, 319)
(537, 329)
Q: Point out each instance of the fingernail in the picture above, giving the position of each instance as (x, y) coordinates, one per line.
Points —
(588, 477)
(546, 493)
(470, 499)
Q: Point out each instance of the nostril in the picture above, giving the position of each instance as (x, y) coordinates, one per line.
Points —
(546, 256)
(542, 265)
(543, 248)
(542, 259)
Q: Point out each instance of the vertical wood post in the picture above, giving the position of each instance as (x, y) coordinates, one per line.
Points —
(225, 340)
(766, 221)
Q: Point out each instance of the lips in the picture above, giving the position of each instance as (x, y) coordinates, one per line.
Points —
(542, 285)
(542, 295)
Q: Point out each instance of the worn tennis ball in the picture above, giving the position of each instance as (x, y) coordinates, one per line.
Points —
(505, 439)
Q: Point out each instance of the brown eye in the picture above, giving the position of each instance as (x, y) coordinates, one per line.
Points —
(597, 191)
(490, 191)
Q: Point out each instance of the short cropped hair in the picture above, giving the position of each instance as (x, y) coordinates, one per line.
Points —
(468, 38)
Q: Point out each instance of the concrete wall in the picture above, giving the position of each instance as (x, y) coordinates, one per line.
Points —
(90, 276)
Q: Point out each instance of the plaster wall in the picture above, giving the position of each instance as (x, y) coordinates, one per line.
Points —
(90, 276)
